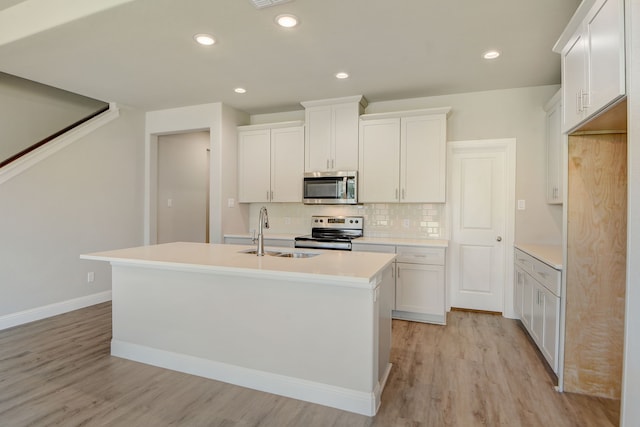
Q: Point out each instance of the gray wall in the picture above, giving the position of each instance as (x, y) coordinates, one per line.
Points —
(30, 112)
(85, 198)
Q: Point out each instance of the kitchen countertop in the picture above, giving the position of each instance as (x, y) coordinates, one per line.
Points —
(364, 240)
(549, 254)
(340, 268)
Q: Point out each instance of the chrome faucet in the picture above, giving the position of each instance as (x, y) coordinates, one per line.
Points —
(262, 220)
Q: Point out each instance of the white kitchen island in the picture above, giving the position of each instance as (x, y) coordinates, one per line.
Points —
(316, 329)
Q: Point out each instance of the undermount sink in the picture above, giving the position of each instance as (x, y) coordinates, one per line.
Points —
(254, 252)
(296, 254)
(282, 254)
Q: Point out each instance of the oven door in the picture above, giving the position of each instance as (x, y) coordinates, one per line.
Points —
(314, 243)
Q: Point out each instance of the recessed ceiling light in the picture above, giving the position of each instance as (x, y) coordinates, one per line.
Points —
(287, 21)
(491, 54)
(342, 75)
(240, 90)
(204, 39)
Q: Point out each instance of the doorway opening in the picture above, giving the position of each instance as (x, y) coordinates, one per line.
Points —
(182, 206)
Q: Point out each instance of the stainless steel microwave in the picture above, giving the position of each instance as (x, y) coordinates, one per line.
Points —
(330, 188)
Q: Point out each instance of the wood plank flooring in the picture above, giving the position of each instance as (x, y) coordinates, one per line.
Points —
(479, 370)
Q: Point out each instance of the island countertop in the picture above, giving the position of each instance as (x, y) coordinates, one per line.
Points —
(340, 268)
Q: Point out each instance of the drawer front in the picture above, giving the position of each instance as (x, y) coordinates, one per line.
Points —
(364, 247)
(418, 255)
(549, 277)
(524, 261)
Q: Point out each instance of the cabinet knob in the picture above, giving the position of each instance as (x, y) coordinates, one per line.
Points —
(499, 239)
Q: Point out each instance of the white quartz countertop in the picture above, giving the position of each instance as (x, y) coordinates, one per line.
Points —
(364, 240)
(549, 254)
(342, 268)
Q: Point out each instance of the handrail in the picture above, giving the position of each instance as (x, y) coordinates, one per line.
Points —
(52, 137)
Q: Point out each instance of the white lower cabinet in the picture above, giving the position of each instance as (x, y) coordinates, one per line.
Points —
(419, 281)
(420, 292)
(537, 305)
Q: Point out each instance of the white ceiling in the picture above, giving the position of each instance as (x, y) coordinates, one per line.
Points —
(142, 53)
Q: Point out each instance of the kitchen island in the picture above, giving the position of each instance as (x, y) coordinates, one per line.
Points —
(316, 329)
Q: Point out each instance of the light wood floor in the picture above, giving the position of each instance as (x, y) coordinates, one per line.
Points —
(479, 370)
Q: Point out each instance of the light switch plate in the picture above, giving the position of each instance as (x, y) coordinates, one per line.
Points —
(521, 205)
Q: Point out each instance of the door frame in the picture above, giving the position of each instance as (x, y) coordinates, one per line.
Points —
(508, 146)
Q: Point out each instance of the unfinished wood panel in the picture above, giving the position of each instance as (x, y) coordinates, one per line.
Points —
(596, 262)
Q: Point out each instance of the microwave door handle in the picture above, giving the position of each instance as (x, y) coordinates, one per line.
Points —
(345, 188)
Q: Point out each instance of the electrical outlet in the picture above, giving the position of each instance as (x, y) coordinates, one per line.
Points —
(406, 223)
(287, 220)
(91, 277)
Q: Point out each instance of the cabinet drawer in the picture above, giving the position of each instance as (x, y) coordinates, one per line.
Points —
(524, 261)
(418, 255)
(543, 273)
(366, 247)
(549, 277)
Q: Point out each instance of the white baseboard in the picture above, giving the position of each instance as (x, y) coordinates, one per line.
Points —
(323, 394)
(38, 313)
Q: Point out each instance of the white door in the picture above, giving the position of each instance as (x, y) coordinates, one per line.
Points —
(481, 197)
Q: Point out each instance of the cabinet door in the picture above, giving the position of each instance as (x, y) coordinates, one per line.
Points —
(527, 300)
(345, 137)
(379, 161)
(554, 155)
(574, 82)
(287, 164)
(420, 289)
(318, 138)
(605, 29)
(519, 291)
(551, 327)
(423, 159)
(537, 320)
(254, 167)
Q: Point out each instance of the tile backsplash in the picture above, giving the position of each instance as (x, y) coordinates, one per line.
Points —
(414, 220)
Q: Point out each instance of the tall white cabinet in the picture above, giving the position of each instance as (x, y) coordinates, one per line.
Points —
(271, 162)
(593, 61)
(331, 136)
(402, 156)
(554, 145)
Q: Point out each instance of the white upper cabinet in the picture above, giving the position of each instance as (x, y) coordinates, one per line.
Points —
(554, 145)
(593, 60)
(331, 135)
(403, 157)
(271, 162)
(379, 161)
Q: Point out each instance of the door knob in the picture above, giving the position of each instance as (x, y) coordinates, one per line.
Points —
(499, 239)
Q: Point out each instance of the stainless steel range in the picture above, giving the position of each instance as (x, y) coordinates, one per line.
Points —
(332, 232)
